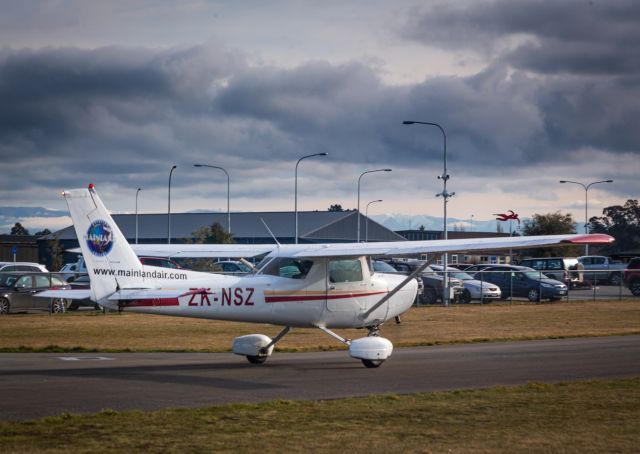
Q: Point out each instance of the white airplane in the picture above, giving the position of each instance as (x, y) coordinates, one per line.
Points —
(324, 286)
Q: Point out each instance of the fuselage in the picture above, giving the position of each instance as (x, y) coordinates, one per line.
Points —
(328, 292)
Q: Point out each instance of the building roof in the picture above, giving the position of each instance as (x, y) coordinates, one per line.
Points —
(313, 226)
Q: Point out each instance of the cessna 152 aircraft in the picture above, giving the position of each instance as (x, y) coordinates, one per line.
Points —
(325, 286)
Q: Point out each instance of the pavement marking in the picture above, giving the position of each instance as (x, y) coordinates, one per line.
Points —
(85, 358)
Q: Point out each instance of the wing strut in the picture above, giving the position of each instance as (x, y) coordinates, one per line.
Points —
(399, 287)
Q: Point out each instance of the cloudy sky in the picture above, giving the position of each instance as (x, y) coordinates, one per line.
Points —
(115, 93)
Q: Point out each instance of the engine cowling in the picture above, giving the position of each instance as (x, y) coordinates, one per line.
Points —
(371, 348)
(252, 345)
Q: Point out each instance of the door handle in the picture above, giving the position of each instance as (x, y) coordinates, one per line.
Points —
(332, 287)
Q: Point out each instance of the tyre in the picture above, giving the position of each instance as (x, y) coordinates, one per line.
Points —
(465, 297)
(634, 286)
(533, 295)
(372, 363)
(4, 306)
(615, 279)
(58, 306)
(256, 359)
(429, 296)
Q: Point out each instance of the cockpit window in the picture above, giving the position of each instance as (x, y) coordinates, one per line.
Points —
(345, 270)
(288, 267)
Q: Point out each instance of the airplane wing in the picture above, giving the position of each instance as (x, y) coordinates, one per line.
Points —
(382, 249)
(75, 294)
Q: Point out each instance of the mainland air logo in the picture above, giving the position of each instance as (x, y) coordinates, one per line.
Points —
(99, 238)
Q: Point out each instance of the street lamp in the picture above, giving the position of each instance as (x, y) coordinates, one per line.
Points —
(586, 199)
(137, 192)
(360, 178)
(445, 196)
(296, 187)
(366, 215)
(169, 207)
(228, 192)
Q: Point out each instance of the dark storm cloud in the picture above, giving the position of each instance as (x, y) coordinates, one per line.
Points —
(573, 36)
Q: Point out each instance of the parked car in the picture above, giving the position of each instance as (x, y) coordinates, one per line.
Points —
(432, 281)
(160, 262)
(231, 267)
(632, 276)
(380, 266)
(523, 282)
(602, 269)
(558, 268)
(12, 267)
(69, 271)
(18, 290)
(81, 283)
(473, 288)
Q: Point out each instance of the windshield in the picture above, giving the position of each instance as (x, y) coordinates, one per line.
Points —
(457, 274)
(383, 267)
(534, 275)
(7, 280)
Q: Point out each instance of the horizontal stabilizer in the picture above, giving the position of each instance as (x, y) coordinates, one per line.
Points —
(76, 294)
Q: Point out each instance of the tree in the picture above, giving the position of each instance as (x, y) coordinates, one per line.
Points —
(336, 207)
(57, 253)
(43, 232)
(622, 223)
(550, 224)
(213, 234)
(18, 229)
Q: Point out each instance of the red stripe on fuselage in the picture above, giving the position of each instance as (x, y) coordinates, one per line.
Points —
(152, 302)
(302, 298)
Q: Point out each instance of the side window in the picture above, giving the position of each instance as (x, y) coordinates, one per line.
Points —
(42, 281)
(288, 267)
(55, 280)
(346, 270)
(10, 268)
(555, 264)
(24, 282)
(598, 260)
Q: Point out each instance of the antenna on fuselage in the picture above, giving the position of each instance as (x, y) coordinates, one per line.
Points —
(271, 233)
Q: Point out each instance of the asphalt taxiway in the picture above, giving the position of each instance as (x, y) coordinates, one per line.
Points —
(37, 384)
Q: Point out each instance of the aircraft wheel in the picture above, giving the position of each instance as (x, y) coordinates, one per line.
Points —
(256, 359)
(372, 363)
(4, 306)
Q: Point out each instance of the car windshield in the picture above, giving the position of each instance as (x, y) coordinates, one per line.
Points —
(383, 267)
(456, 273)
(533, 274)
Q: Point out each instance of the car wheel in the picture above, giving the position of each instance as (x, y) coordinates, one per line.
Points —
(465, 298)
(4, 306)
(58, 306)
(634, 286)
(533, 295)
(615, 279)
(430, 296)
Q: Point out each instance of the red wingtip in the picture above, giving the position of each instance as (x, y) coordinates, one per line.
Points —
(91, 186)
(593, 238)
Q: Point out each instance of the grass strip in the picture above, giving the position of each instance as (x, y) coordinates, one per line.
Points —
(580, 417)
(93, 332)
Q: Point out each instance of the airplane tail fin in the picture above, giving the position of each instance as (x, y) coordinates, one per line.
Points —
(111, 263)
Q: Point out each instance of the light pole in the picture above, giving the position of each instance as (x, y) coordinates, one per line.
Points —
(360, 178)
(137, 192)
(295, 192)
(169, 207)
(586, 201)
(228, 192)
(366, 215)
(445, 196)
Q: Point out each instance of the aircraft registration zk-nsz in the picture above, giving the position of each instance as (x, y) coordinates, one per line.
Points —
(326, 286)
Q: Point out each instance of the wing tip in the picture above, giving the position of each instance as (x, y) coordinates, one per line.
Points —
(592, 238)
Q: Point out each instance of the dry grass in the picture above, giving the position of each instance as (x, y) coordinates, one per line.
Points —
(420, 326)
(585, 417)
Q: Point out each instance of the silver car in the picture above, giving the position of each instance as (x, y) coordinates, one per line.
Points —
(473, 288)
(18, 290)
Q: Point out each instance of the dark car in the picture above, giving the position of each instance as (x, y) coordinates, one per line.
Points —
(523, 282)
(383, 267)
(632, 276)
(82, 283)
(558, 268)
(18, 292)
(432, 282)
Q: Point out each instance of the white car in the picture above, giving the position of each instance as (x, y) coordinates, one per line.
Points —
(473, 288)
(22, 266)
(69, 271)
